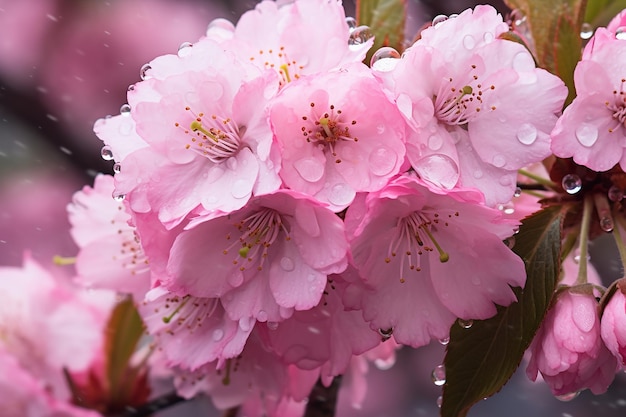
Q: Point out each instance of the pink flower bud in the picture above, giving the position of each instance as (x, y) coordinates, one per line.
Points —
(613, 325)
(568, 349)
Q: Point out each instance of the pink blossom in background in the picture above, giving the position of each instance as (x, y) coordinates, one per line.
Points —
(413, 247)
(293, 38)
(338, 135)
(110, 254)
(568, 350)
(592, 130)
(264, 261)
(612, 327)
(100, 46)
(479, 107)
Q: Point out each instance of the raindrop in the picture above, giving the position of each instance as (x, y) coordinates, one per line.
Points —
(568, 397)
(351, 22)
(439, 375)
(118, 196)
(184, 49)
(507, 208)
(518, 192)
(386, 52)
(385, 364)
(231, 163)
(439, 19)
(466, 324)
(117, 167)
(468, 42)
(287, 264)
(218, 334)
(341, 194)
(385, 333)
(439, 401)
(262, 316)
(615, 193)
(143, 72)
(131, 87)
(382, 161)
(606, 223)
(220, 25)
(360, 35)
(620, 33)
(586, 134)
(510, 242)
(310, 169)
(106, 153)
(498, 161)
(272, 325)
(526, 134)
(444, 341)
(245, 323)
(125, 110)
(241, 188)
(517, 18)
(435, 142)
(586, 31)
(440, 170)
(235, 279)
(572, 183)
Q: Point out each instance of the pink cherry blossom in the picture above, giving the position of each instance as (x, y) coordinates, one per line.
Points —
(338, 135)
(294, 38)
(479, 107)
(264, 261)
(568, 349)
(24, 395)
(192, 331)
(110, 254)
(203, 116)
(413, 249)
(612, 328)
(592, 128)
(325, 336)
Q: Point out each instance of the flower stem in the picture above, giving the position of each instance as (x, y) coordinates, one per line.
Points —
(543, 181)
(584, 240)
(617, 235)
(323, 400)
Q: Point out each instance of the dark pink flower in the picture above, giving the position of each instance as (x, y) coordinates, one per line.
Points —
(613, 325)
(568, 350)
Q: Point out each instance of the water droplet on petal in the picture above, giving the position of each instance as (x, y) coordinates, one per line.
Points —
(144, 72)
(478, 174)
(218, 334)
(526, 134)
(466, 324)
(125, 110)
(385, 364)
(586, 134)
(272, 325)
(231, 163)
(310, 169)
(341, 194)
(385, 333)
(360, 35)
(439, 401)
(439, 169)
(241, 189)
(586, 31)
(382, 161)
(262, 316)
(118, 196)
(106, 153)
(620, 33)
(351, 22)
(510, 242)
(518, 192)
(131, 87)
(468, 42)
(287, 264)
(221, 26)
(439, 375)
(444, 341)
(235, 279)
(615, 193)
(117, 168)
(572, 183)
(498, 160)
(439, 19)
(568, 397)
(246, 323)
(386, 52)
(184, 49)
(523, 62)
(507, 208)
(488, 37)
(435, 142)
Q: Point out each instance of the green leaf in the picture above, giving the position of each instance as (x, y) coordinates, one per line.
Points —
(600, 12)
(555, 28)
(481, 359)
(123, 331)
(386, 19)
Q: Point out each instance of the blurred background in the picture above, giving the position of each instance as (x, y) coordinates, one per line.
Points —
(66, 63)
